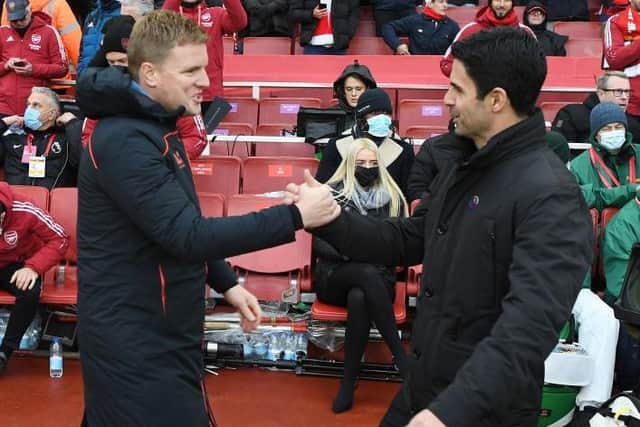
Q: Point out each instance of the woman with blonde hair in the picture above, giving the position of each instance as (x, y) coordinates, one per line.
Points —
(363, 186)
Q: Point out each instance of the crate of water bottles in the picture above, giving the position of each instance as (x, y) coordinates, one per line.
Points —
(31, 337)
(275, 345)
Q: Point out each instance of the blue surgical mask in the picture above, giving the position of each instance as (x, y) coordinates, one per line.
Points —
(612, 140)
(379, 125)
(32, 118)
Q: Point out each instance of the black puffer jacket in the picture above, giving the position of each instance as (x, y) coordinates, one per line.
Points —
(142, 250)
(267, 18)
(396, 4)
(552, 43)
(60, 146)
(344, 20)
(568, 10)
(357, 70)
(507, 241)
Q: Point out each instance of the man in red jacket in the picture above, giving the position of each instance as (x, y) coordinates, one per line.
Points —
(32, 53)
(215, 21)
(498, 13)
(32, 242)
(621, 48)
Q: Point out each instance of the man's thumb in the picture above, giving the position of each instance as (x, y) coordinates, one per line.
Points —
(310, 180)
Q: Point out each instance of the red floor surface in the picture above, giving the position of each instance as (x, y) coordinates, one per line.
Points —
(242, 397)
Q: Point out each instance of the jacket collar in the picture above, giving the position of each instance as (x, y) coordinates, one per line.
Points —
(519, 138)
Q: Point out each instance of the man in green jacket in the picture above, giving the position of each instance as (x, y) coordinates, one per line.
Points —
(607, 171)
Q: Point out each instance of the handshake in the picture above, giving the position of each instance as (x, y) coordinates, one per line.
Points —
(314, 201)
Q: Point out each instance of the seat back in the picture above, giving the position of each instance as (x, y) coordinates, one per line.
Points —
(266, 174)
(64, 210)
(228, 45)
(285, 149)
(217, 174)
(462, 15)
(422, 112)
(38, 195)
(229, 128)
(368, 46)
(266, 45)
(550, 110)
(365, 28)
(243, 110)
(284, 110)
(586, 30)
(211, 204)
(424, 132)
(584, 47)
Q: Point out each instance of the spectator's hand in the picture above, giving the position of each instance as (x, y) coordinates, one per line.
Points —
(314, 201)
(425, 418)
(319, 13)
(24, 278)
(8, 65)
(13, 120)
(65, 118)
(24, 69)
(247, 305)
(402, 49)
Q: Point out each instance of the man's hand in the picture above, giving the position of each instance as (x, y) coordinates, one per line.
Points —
(314, 201)
(65, 118)
(425, 418)
(24, 69)
(8, 65)
(13, 120)
(319, 13)
(25, 278)
(402, 49)
(247, 306)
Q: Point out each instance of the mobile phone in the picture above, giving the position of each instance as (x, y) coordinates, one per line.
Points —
(322, 6)
(20, 63)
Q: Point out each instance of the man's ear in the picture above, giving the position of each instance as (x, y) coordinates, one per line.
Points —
(498, 99)
(148, 75)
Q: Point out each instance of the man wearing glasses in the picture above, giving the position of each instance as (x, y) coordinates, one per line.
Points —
(572, 120)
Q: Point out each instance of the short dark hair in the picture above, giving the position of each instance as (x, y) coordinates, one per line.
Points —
(505, 57)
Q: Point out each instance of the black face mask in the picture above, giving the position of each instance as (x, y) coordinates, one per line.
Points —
(190, 4)
(366, 176)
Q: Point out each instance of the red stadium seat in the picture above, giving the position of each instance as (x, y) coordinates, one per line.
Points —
(228, 45)
(584, 47)
(424, 132)
(266, 174)
(211, 204)
(228, 128)
(605, 216)
(243, 110)
(38, 195)
(284, 110)
(273, 274)
(462, 14)
(550, 109)
(422, 112)
(286, 149)
(327, 312)
(61, 287)
(368, 46)
(266, 46)
(366, 28)
(578, 29)
(274, 129)
(217, 174)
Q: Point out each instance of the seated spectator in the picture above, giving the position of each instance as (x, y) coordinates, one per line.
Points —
(42, 147)
(354, 80)
(326, 27)
(607, 171)
(535, 17)
(362, 186)
(267, 18)
(572, 120)
(568, 10)
(92, 30)
(62, 19)
(385, 11)
(38, 243)
(430, 33)
(114, 53)
(373, 121)
(498, 13)
(26, 64)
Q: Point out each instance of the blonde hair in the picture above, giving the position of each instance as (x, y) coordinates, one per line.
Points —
(156, 33)
(345, 174)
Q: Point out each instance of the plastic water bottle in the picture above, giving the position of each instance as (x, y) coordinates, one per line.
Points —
(55, 358)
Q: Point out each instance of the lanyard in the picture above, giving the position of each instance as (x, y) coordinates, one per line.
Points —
(199, 13)
(603, 169)
(49, 143)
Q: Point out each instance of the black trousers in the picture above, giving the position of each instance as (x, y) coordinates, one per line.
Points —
(399, 412)
(383, 17)
(23, 311)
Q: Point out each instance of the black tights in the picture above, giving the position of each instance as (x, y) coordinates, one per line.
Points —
(362, 289)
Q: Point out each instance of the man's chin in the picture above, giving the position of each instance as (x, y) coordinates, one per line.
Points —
(193, 109)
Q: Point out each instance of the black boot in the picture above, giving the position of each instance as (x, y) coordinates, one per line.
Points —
(344, 398)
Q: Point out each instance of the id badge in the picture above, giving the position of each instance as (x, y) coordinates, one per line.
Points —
(37, 166)
(28, 152)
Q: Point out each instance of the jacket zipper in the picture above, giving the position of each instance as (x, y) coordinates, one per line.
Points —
(163, 294)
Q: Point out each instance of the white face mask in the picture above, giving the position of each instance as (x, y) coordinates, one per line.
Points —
(613, 139)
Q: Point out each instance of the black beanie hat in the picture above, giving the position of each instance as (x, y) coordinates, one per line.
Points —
(374, 100)
(117, 31)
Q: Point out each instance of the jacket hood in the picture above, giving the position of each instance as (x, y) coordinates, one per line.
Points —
(358, 70)
(105, 92)
(107, 4)
(536, 28)
(40, 19)
(6, 199)
(487, 18)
